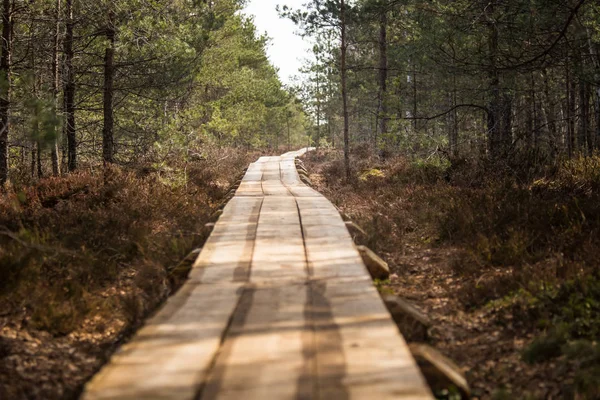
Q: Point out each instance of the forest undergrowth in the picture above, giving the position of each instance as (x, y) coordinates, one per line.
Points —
(85, 257)
(503, 257)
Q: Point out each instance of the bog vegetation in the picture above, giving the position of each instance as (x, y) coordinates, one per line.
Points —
(469, 129)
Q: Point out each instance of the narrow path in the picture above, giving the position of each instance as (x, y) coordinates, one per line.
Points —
(278, 305)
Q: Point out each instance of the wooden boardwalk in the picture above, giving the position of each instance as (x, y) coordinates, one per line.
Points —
(278, 305)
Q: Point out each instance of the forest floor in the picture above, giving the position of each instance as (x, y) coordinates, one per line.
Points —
(504, 261)
(85, 257)
(508, 272)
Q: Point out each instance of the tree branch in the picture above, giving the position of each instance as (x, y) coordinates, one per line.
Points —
(448, 112)
(562, 34)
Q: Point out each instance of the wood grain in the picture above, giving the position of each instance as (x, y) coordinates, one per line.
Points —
(278, 305)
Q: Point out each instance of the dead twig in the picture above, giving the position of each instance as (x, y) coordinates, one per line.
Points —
(46, 249)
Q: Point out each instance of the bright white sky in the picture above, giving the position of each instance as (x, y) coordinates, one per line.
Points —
(286, 50)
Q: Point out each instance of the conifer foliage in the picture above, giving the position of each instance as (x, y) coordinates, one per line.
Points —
(122, 81)
(492, 79)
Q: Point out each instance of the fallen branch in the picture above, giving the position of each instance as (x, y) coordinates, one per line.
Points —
(46, 249)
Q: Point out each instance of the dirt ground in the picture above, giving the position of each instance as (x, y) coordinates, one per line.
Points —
(37, 365)
(485, 341)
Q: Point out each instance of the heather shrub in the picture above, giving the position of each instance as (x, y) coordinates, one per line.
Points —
(64, 241)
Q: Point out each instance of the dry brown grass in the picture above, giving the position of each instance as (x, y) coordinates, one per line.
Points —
(84, 258)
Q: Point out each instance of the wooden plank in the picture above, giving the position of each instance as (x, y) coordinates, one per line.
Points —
(265, 355)
(279, 250)
(265, 352)
(271, 181)
(291, 179)
(177, 347)
(252, 181)
(329, 247)
(170, 357)
(289, 174)
(227, 253)
(360, 353)
(297, 153)
(278, 305)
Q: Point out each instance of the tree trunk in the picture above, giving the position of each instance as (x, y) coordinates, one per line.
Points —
(528, 134)
(40, 172)
(595, 55)
(383, 75)
(318, 93)
(343, 72)
(453, 137)
(507, 123)
(330, 132)
(398, 110)
(585, 142)
(35, 124)
(414, 99)
(330, 129)
(109, 76)
(495, 99)
(69, 90)
(5, 80)
(287, 121)
(535, 123)
(33, 161)
(570, 112)
(56, 89)
(550, 116)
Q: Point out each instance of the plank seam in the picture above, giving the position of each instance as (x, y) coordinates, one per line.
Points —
(262, 180)
(309, 274)
(225, 333)
(291, 194)
(311, 322)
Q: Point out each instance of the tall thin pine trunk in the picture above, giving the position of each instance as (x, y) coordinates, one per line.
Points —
(495, 98)
(344, 73)
(287, 121)
(35, 133)
(453, 137)
(318, 95)
(415, 99)
(55, 90)
(5, 81)
(33, 161)
(69, 90)
(383, 76)
(570, 111)
(585, 142)
(40, 171)
(549, 112)
(595, 56)
(534, 114)
(108, 146)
